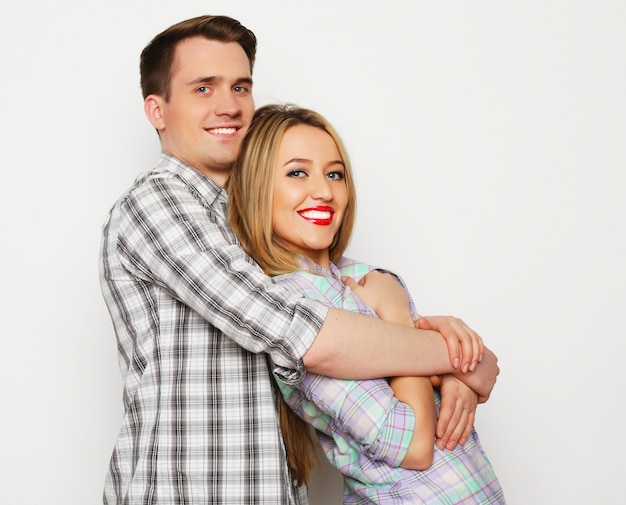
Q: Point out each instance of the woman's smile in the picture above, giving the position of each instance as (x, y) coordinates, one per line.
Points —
(321, 215)
(310, 193)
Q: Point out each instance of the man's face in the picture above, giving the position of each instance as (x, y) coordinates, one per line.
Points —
(210, 106)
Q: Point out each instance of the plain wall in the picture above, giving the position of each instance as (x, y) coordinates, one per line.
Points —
(489, 143)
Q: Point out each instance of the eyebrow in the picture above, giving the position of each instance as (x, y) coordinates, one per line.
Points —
(212, 79)
(305, 160)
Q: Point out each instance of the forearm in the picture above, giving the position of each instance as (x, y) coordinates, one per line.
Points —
(417, 393)
(353, 346)
(483, 378)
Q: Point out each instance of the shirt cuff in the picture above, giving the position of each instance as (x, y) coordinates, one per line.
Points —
(314, 314)
(395, 436)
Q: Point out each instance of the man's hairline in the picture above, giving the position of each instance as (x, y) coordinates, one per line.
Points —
(172, 68)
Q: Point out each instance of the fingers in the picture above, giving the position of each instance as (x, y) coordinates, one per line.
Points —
(450, 425)
(435, 381)
(443, 421)
(469, 343)
(452, 341)
(349, 281)
(467, 340)
(456, 414)
(423, 324)
(459, 338)
(468, 427)
(459, 433)
(476, 347)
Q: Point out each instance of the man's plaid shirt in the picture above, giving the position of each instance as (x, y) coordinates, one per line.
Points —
(194, 319)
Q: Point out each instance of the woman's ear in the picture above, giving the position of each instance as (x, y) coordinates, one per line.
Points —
(152, 106)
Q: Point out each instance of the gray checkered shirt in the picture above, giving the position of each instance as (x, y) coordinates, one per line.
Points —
(194, 320)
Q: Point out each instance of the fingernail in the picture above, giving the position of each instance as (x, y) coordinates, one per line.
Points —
(465, 368)
(473, 366)
(480, 358)
(456, 362)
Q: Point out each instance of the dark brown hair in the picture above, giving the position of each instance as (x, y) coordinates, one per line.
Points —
(157, 58)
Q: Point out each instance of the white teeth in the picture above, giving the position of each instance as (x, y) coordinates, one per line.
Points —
(223, 131)
(316, 214)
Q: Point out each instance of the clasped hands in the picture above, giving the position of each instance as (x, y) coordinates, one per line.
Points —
(458, 400)
(476, 366)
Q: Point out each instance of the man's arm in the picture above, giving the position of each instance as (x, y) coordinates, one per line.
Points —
(355, 346)
(170, 243)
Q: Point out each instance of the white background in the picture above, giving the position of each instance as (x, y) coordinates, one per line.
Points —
(489, 143)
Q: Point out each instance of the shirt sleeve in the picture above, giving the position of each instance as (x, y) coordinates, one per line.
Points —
(171, 238)
(361, 416)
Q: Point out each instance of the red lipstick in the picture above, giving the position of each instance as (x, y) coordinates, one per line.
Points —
(321, 215)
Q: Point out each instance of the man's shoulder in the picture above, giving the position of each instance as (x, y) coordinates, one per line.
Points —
(174, 179)
(143, 179)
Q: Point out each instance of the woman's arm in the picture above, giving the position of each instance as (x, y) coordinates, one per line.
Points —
(388, 298)
(417, 393)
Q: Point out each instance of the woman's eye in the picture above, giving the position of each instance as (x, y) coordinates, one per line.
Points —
(336, 176)
(296, 173)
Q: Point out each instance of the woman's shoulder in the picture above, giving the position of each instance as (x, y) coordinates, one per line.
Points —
(353, 268)
(357, 269)
(313, 285)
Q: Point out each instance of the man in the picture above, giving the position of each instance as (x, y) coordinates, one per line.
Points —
(194, 317)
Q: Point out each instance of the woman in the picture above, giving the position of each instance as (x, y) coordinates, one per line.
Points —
(292, 203)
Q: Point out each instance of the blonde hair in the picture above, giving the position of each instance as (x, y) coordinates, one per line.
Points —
(250, 188)
(250, 197)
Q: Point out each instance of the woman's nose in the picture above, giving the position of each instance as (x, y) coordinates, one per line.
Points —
(321, 188)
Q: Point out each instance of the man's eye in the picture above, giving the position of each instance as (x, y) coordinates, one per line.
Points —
(240, 89)
(203, 89)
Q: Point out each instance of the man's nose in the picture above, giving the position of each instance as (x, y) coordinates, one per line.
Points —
(227, 104)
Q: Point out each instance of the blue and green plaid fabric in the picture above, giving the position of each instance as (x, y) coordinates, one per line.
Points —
(365, 431)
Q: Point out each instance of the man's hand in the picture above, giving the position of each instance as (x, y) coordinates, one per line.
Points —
(456, 414)
(465, 346)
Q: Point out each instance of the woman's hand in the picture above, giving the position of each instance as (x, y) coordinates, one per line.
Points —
(483, 379)
(383, 293)
(456, 414)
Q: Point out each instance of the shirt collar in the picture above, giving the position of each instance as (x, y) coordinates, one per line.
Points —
(205, 187)
(314, 268)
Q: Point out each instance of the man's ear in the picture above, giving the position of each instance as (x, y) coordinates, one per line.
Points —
(154, 111)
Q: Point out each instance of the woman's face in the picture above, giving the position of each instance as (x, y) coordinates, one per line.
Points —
(310, 193)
